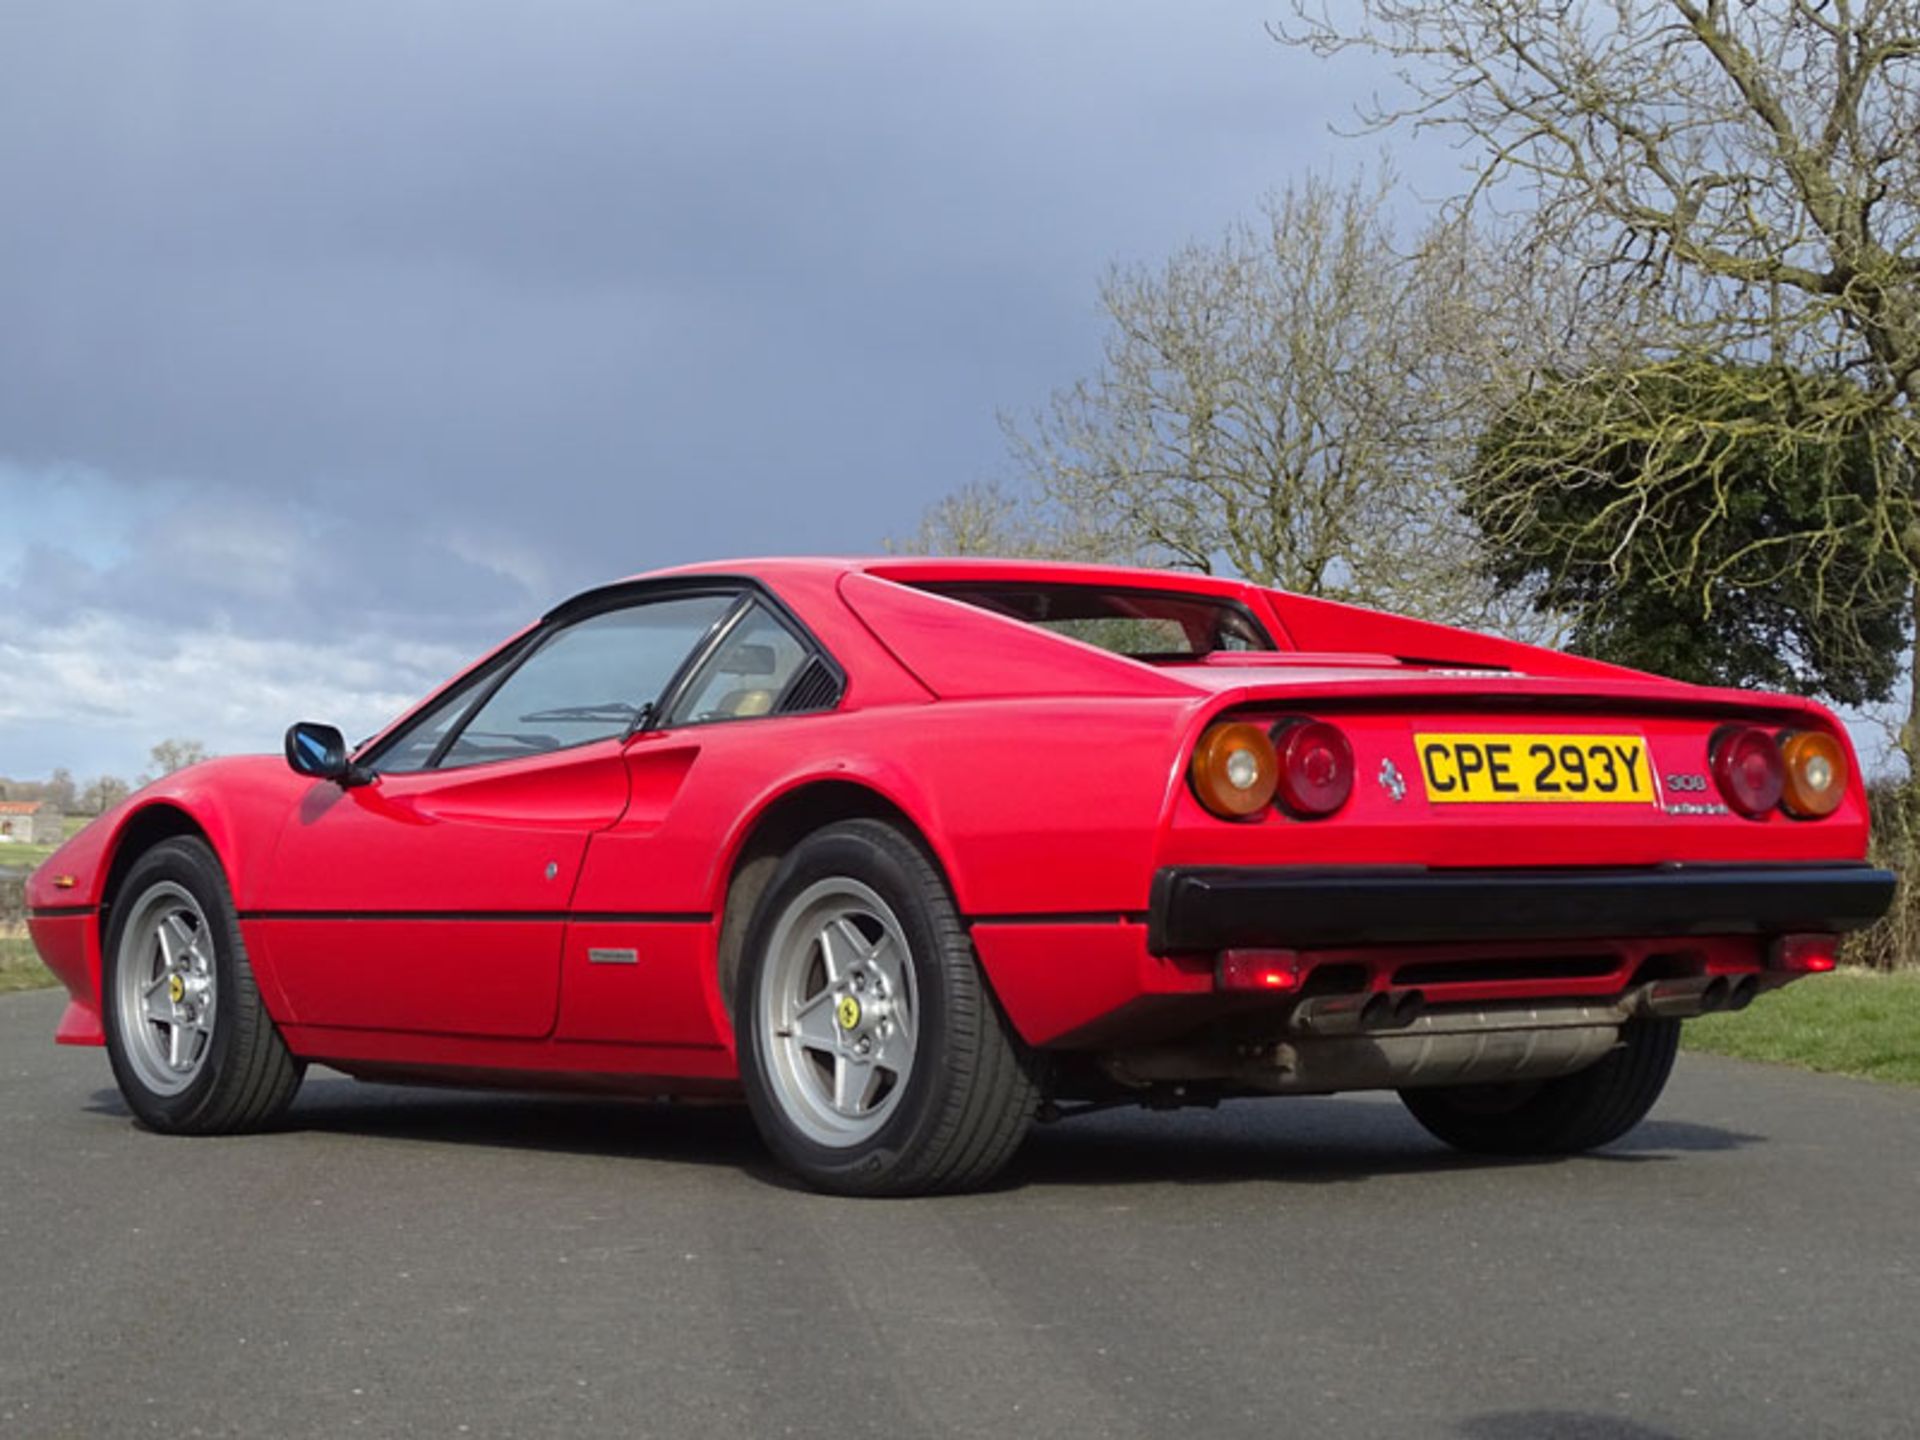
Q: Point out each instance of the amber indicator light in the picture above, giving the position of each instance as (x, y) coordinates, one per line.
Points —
(1234, 770)
(1816, 773)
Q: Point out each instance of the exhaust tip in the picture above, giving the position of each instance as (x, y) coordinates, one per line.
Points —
(1742, 992)
(1408, 1006)
(1377, 1012)
(1715, 996)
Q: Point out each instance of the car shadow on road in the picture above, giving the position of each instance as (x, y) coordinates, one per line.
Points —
(1561, 1424)
(575, 1125)
(1300, 1141)
(1295, 1141)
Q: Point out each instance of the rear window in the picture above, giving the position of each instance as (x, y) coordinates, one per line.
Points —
(1141, 624)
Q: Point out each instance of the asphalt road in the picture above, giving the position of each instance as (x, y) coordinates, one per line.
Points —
(432, 1263)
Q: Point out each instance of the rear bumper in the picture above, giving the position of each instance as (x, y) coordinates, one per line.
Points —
(1298, 907)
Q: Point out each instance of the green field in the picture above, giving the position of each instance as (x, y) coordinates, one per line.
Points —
(15, 856)
(20, 968)
(1853, 1022)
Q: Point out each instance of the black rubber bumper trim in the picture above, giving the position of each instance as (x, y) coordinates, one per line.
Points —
(1298, 907)
(59, 912)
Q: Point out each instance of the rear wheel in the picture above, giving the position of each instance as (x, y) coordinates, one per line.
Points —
(192, 1046)
(874, 1058)
(1556, 1117)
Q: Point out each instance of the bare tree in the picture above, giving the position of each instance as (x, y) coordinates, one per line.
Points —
(982, 519)
(102, 794)
(1705, 520)
(176, 754)
(1750, 171)
(60, 790)
(1272, 404)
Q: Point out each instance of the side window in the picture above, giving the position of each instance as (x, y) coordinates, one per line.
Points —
(413, 747)
(588, 681)
(746, 674)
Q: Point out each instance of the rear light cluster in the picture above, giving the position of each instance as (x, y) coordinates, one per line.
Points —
(1235, 771)
(1816, 769)
(1303, 766)
(1803, 772)
(1316, 767)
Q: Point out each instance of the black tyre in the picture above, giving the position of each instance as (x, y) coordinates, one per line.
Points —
(874, 1057)
(1556, 1117)
(193, 1049)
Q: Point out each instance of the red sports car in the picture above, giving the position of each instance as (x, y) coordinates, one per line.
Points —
(910, 852)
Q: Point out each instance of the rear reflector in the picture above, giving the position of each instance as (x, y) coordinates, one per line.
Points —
(1805, 954)
(1274, 971)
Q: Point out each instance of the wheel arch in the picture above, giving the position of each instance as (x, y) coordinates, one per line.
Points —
(144, 828)
(780, 824)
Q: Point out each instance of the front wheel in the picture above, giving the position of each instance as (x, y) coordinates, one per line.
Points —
(1576, 1112)
(874, 1058)
(192, 1046)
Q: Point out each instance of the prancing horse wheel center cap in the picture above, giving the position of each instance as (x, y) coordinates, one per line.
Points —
(847, 1012)
(176, 988)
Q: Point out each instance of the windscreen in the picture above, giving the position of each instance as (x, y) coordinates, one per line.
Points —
(1141, 624)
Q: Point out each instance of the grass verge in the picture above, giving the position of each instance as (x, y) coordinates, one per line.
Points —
(1852, 1022)
(20, 967)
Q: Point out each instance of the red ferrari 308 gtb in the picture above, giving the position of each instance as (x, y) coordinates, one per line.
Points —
(910, 851)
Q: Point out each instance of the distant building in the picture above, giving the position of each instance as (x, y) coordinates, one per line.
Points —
(31, 822)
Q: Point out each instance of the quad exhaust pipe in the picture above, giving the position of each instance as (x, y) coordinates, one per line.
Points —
(1695, 995)
(1328, 1015)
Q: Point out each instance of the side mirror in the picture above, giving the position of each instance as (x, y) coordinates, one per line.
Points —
(321, 752)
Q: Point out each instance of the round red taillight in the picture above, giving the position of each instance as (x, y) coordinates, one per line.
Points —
(1747, 767)
(1316, 767)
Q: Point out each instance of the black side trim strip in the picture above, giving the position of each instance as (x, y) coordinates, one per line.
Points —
(590, 917)
(1216, 908)
(1064, 917)
(641, 917)
(60, 912)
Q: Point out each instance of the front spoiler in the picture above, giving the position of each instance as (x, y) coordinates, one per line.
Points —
(1319, 907)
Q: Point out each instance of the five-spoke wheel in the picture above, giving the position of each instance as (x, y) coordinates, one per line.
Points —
(874, 1058)
(192, 1046)
(842, 1010)
(168, 989)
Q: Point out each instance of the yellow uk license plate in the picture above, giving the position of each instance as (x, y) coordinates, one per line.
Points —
(1566, 768)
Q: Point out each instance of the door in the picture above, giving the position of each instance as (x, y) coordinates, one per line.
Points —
(639, 963)
(433, 899)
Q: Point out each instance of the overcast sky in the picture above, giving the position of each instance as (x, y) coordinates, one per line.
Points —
(336, 341)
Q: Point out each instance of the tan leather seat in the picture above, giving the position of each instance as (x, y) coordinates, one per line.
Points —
(737, 703)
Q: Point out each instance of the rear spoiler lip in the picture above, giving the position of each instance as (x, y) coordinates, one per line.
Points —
(1413, 691)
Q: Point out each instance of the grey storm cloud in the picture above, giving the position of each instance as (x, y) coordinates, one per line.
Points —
(407, 319)
(216, 560)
